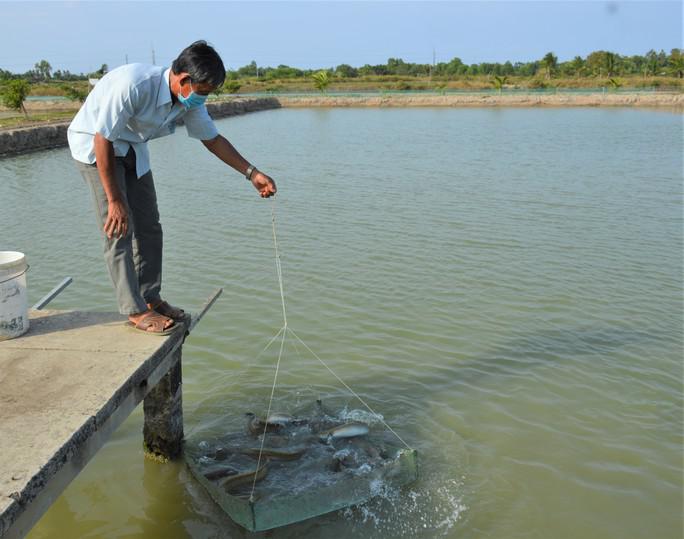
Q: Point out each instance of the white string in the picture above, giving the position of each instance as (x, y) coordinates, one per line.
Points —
(268, 413)
(349, 388)
(279, 268)
(279, 272)
(284, 330)
(235, 380)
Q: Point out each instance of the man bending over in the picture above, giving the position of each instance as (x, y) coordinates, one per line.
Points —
(108, 139)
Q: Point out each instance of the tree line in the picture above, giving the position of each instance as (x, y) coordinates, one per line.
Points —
(42, 72)
(596, 64)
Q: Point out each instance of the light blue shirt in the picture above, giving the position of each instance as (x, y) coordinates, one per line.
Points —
(129, 106)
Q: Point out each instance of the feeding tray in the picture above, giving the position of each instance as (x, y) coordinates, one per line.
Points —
(327, 476)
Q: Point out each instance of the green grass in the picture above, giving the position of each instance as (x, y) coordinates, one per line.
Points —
(407, 83)
(20, 120)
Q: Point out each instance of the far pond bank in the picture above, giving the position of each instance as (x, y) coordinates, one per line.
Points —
(48, 119)
(607, 99)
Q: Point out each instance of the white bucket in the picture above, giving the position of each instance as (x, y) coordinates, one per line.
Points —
(14, 319)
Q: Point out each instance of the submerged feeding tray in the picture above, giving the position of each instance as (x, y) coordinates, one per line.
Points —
(305, 469)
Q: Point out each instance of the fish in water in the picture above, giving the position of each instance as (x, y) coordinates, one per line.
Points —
(220, 473)
(343, 459)
(273, 423)
(368, 448)
(278, 418)
(272, 453)
(221, 454)
(347, 430)
(256, 426)
(246, 478)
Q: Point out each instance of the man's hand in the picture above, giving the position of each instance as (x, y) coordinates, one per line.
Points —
(264, 184)
(117, 220)
(225, 151)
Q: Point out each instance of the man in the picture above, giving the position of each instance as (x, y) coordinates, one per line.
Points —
(108, 139)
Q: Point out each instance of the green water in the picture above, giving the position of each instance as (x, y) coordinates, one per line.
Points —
(504, 286)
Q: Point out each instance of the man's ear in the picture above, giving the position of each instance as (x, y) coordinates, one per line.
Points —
(183, 77)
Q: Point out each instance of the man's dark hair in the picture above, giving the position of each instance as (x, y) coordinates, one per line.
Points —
(202, 63)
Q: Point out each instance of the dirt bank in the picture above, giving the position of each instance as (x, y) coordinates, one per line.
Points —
(44, 136)
(660, 99)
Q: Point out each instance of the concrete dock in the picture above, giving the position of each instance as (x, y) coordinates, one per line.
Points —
(65, 386)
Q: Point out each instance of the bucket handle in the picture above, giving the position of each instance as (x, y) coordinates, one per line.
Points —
(28, 266)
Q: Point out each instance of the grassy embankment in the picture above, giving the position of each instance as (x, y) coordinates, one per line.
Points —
(41, 112)
(397, 83)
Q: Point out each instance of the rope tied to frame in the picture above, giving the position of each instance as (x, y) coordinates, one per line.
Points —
(283, 332)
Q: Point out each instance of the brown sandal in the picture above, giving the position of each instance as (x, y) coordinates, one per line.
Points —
(155, 321)
(174, 313)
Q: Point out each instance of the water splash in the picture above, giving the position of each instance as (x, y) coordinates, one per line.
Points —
(415, 512)
(362, 416)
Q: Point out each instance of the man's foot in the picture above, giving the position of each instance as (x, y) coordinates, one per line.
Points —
(152, 322)
(174, 313)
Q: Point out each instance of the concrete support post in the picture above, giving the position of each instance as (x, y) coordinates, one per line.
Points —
(163, 407)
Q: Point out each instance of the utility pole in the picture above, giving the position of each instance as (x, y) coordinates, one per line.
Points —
(126, 59)
(154, 62)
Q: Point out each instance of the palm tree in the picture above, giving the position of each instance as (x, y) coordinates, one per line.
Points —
(321, 80)
(499, 82)
(577, 65)
(550, 61)
(676, 61)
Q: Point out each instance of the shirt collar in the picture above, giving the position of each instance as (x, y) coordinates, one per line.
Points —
(164, 96)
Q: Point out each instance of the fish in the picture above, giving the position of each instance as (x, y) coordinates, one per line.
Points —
(246, 478)
(346, 430)
(220, 454)
(273, 453)
(368, 448)
(343, 459)
(278, 418)
(273, 423)
(257, 426)
(220, 473)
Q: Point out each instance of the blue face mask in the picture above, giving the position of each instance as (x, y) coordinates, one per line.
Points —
(193, 100)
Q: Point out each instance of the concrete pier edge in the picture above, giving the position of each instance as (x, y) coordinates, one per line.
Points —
(43, 484)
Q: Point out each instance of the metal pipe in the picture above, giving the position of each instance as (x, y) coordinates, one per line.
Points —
(210, 301)
(52, 294)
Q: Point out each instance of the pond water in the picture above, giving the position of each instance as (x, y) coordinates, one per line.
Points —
(504, 286)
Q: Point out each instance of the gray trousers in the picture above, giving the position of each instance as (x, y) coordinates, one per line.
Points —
(134, 261)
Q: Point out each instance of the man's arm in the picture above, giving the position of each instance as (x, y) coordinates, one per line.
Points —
(225, 151)
(117, 214)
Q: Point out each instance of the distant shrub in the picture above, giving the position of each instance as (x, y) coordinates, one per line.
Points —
(13, 94)
(231, 86)
(73, 93)
(538, 84)
(321, 80)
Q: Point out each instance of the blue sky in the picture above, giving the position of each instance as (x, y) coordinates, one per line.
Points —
(80, 36)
